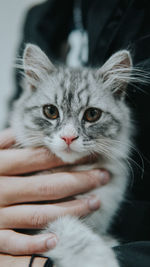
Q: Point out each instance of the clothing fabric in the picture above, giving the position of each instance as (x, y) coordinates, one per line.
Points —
(134, 254)
(111, 26)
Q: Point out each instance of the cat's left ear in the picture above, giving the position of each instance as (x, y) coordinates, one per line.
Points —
(116, 72)
(36, 64)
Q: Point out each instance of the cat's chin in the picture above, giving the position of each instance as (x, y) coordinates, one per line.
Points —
(70, 157)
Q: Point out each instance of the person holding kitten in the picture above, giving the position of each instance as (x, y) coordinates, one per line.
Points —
(111, 29)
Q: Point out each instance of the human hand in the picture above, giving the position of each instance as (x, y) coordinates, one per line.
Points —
(17, 192)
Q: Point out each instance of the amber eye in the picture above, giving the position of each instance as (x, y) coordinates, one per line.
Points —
(92, 114)
(51, 112)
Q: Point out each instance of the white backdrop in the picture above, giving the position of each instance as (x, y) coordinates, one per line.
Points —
(12, 13)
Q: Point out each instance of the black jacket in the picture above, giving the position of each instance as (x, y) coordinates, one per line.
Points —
(111, 26)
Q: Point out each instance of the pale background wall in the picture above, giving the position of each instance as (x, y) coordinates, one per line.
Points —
(12, 13)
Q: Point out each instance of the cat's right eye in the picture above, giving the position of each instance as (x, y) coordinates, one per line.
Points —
(92, 114)
(51, 112)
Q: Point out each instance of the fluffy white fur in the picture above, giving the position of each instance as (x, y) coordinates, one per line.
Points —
(79, 246)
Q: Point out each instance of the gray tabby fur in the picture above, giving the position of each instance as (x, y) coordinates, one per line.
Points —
(81, 243)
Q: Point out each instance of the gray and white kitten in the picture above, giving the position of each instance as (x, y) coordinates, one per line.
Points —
(75, 113)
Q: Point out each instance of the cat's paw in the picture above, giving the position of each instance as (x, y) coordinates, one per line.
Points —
(78, 246)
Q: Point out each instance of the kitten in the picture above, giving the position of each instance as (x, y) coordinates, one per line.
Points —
(75, 113)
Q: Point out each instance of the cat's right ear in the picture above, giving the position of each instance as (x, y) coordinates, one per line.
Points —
(116, 73)
(36, 65)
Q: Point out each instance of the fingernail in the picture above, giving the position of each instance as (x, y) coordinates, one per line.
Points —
(104, 175)
(94, 204)
(51, 243)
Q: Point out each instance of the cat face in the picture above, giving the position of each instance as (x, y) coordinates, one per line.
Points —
(72, 112)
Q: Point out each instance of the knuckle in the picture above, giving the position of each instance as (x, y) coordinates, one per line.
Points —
(46, 191)
(38, 220)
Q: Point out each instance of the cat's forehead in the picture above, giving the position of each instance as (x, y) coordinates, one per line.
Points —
(73, 86)
(74, 80)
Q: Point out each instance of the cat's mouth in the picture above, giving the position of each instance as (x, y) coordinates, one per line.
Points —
(69, 155)
(68, 150)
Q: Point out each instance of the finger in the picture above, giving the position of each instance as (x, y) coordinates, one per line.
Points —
(19, 161)
(19, 244)
(49, 187)
(27, 160)
(7, 139)
(37, 216)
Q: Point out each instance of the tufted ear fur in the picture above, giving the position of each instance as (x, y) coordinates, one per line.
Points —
(116, 72)
(36, 64)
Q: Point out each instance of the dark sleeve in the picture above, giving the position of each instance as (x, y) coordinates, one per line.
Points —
(132, 225)
(136, 254)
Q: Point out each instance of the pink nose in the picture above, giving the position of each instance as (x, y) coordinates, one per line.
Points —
(69, 139)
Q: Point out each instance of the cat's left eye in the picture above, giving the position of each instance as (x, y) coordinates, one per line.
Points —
(92, 114)
(51, 112)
